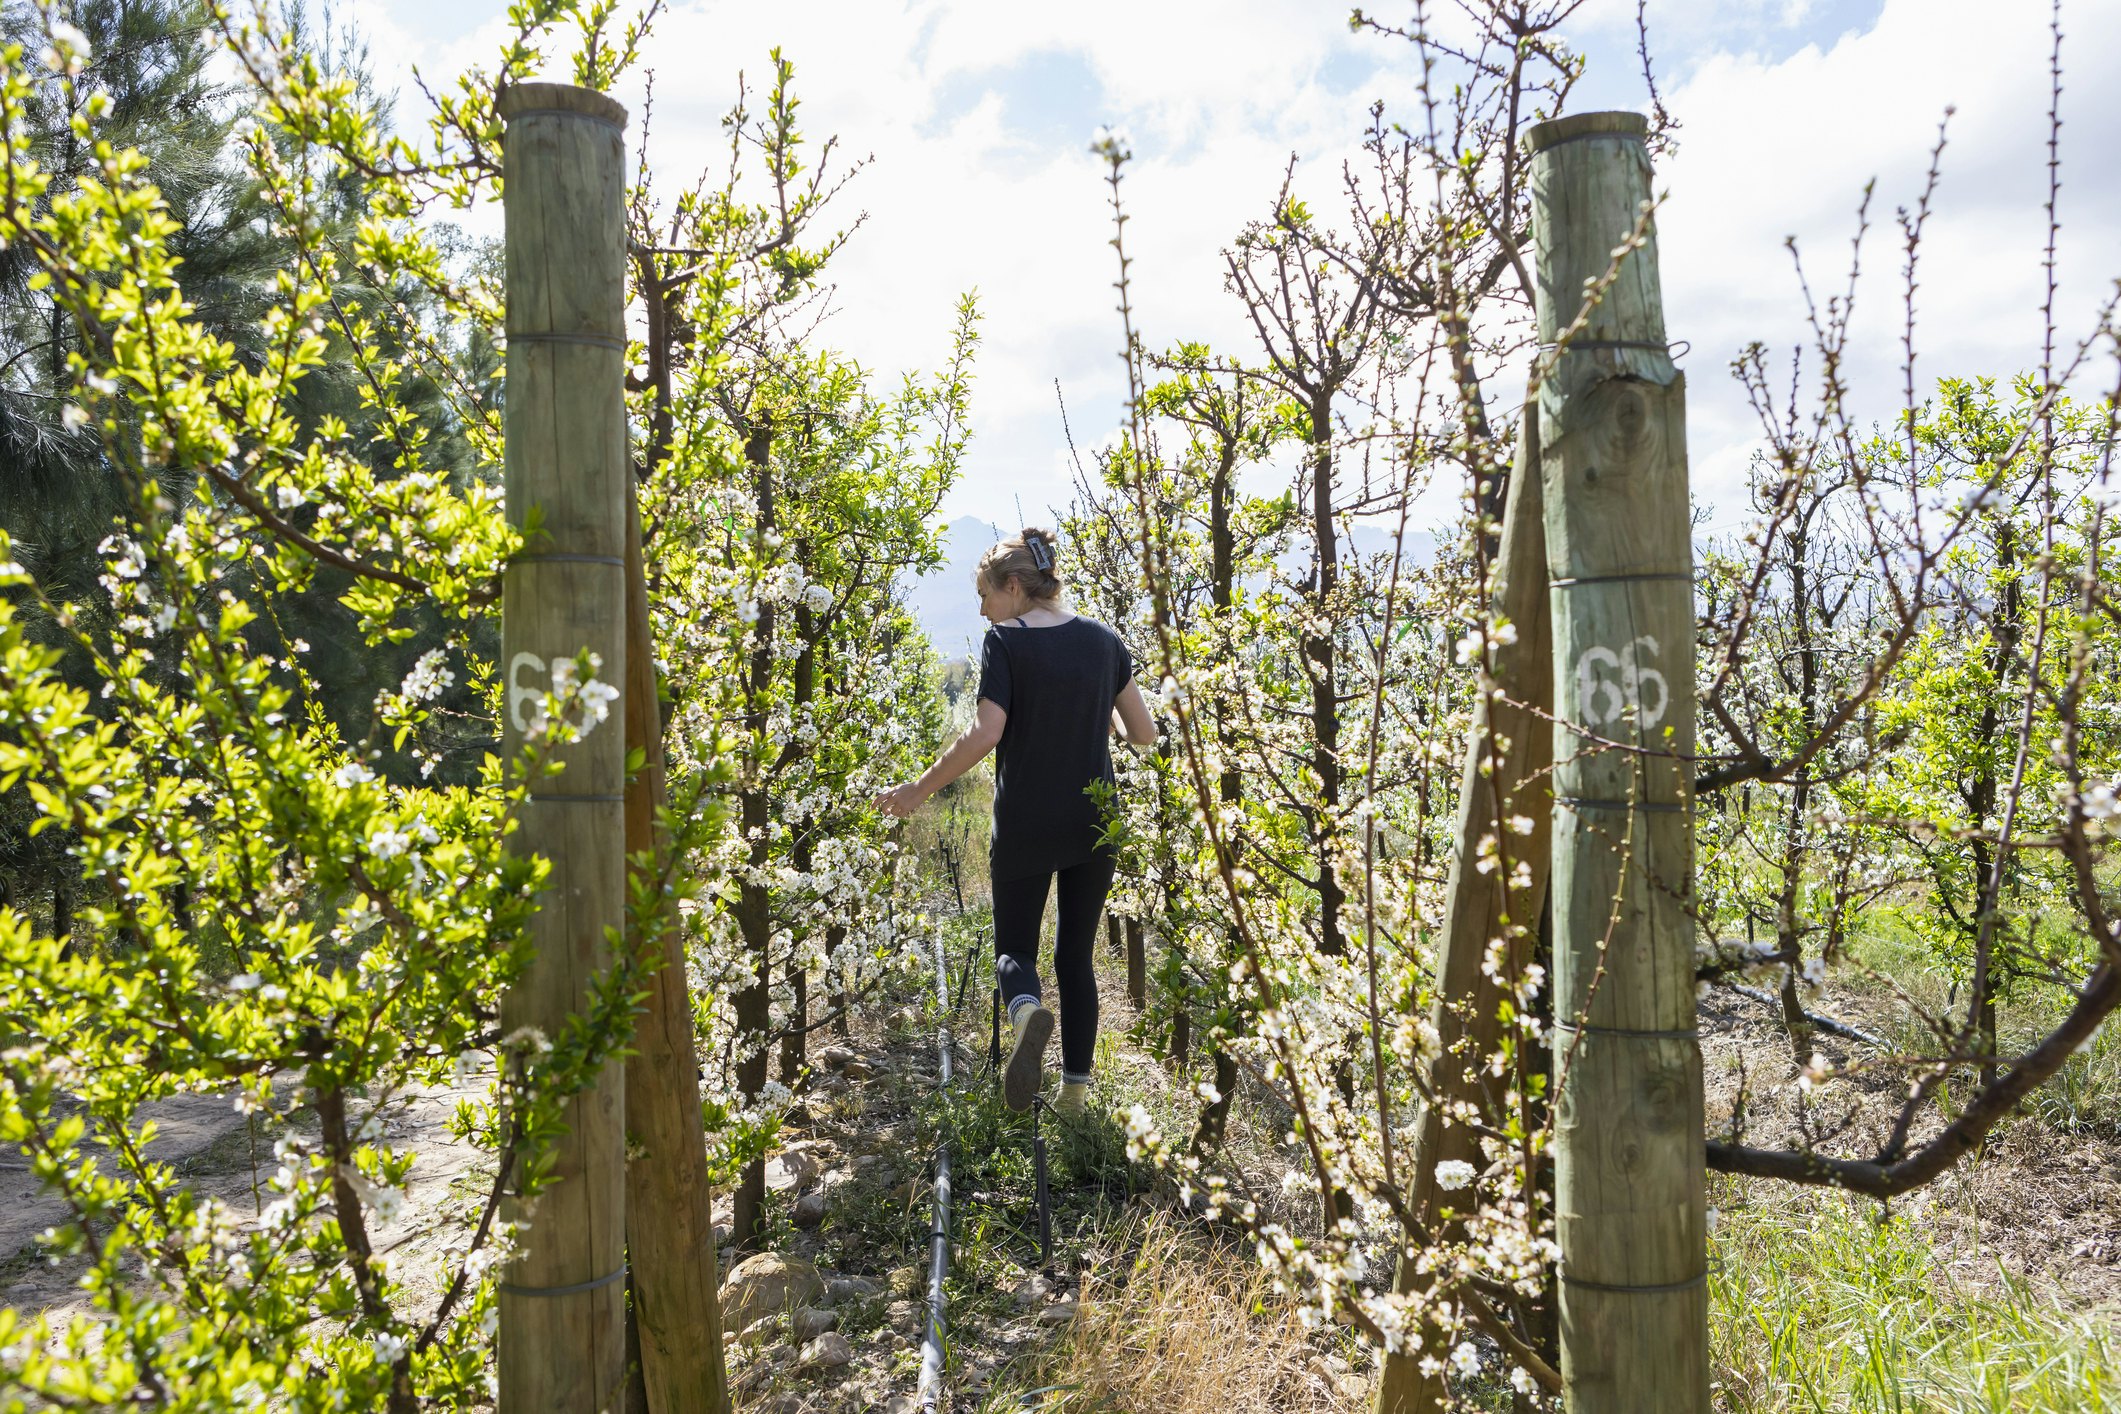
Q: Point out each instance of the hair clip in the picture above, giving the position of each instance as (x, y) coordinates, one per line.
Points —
(1040, 555)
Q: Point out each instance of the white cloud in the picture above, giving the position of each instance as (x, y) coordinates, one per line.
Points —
(978, 116)
(1772, 149)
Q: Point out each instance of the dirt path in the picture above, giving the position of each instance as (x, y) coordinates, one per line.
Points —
(219, 1152)
(849, 1199)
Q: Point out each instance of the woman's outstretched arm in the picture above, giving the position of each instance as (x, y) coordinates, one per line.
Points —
(1130, 716)
(963, 755)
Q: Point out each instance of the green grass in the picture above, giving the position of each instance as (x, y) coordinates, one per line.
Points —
(2082, 1099)
(994, 1219)
(1820, 1302)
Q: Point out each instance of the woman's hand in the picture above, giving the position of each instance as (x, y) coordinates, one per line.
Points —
(901, 800)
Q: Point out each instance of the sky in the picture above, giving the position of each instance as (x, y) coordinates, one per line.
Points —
(976, 116)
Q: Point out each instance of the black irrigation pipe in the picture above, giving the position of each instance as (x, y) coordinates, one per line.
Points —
(935, 1340)
(1825, 1023)
(964, 979)
(930, 1389)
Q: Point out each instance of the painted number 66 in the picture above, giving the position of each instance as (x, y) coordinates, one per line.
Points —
(1629, 687)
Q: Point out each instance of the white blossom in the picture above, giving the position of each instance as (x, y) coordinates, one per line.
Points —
(69, 52)
(387, 843)
(429, 678)
(596, 698)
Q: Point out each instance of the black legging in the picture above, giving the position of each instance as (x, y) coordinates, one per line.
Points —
(1019, 908)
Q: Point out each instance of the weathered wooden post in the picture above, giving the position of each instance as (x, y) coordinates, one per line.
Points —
(669, 1212)
(562, 1335)
(1628, 1117)
(1507, 754)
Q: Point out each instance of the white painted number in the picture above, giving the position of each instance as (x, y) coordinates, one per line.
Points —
(522, 700)
(1604, 699)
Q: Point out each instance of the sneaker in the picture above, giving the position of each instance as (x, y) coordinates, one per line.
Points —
(1024, 1074)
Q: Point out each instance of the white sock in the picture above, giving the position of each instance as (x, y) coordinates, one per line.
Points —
(1020, 1009)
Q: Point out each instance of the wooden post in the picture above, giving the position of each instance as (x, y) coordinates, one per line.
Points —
(1137, 966)
(669, 1213)
(562, 1332)
(1629, 1202)
(1507, 753)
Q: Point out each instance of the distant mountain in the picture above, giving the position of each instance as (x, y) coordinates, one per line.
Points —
(944, 602)
(947, 607)
(1367, 540)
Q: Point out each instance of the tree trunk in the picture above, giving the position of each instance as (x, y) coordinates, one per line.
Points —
(1137, 966)
(1796, 840)
(1325, 700)
(1988, 872)
(63, 905)
(793, 1043)
(843, 1003)
(754, 912)
(1789, 927)
(1229, 787)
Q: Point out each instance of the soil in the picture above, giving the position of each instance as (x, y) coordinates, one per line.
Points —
(2038, 1203)
(222, 1153)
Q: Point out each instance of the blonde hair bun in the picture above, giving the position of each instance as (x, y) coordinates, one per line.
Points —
(1031, 557)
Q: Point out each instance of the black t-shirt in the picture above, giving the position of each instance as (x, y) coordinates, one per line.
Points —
(1058, 686)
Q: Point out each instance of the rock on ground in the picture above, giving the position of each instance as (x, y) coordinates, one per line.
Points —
(765, 1285)
(852, 1288)
(811, 1323)
(828, 1351)
(797, 1166)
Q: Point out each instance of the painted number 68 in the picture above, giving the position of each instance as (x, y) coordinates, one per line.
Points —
(1609, 685)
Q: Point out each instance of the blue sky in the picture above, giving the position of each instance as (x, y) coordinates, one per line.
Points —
(977, 116)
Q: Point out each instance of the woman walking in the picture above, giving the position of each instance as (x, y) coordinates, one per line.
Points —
(1053, 687)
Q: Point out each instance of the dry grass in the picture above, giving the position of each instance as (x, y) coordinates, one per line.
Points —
(1182, 1328)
